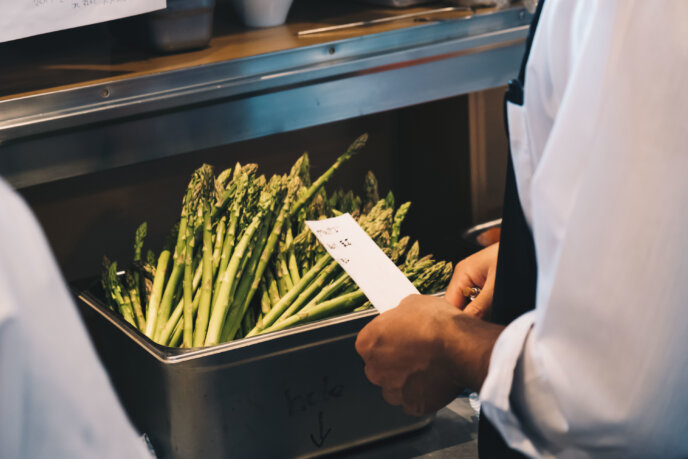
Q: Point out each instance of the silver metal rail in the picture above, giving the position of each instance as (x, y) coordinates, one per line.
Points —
(65, 133)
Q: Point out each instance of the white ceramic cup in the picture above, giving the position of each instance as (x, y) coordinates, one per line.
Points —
(263, 13)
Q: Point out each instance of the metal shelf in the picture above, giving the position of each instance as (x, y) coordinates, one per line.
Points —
(79, 129)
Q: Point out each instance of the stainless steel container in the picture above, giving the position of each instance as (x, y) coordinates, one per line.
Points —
(181, 26)
(299, 392)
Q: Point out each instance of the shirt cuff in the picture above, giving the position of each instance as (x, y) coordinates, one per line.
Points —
(496, 391)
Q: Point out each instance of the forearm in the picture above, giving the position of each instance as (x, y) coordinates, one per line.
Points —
(468, 344)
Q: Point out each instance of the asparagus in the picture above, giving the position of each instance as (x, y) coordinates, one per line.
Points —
(238, 220)
(133, 290)
(120, 295)
(206, 289)
(242, 189)
(139, 237)
(271, 285)
(372, 195)
(265, 304)
(219, 313)
(343, 303)
(342, 282)
(236, 310)
(134, 287)
(176, 322)
(291, 257)
(432, 276)
(188, 285)
(315, 187)
(399, 217)
(283, 274)
(282, 305)
(200, 184)
(154, 301)
(219, 242)
(308, 292)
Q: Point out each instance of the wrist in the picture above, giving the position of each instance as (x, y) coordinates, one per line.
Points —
(467, 347)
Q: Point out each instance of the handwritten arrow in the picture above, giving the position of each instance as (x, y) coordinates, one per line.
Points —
(320, 440)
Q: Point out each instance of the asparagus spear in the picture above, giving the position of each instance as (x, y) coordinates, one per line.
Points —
(139, 237)
(282, 270)
(372, 195)
(187, 284)
(343, 303)
(399, 217)
(201, 182)
(315, 187)
(198, 218)
(281, 306)
(271, 285)
(220, 308)
(243, 180)
(176, 322)
(236, 311)
(133, 290)
(120, 295)
(265, 304)
(206, 293)
(158, 284)
(340, 283)
(105, 283)
(222, 179)
(291, 257)
(219, 242)
(308, 292)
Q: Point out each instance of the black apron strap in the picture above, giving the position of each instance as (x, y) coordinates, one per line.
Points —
(514, 292)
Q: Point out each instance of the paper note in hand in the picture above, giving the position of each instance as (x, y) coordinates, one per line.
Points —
(379, 278)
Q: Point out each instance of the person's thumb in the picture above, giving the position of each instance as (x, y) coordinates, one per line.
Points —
(480, 306)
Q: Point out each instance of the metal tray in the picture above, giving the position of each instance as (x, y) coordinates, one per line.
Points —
(183, 25)
(295, 393)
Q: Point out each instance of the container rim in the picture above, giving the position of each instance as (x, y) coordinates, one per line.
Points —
(171, 355)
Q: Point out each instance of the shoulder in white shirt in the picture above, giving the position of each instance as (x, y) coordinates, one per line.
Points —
(599, 368)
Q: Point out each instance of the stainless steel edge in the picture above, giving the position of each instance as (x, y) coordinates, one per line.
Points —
(276, 341)
(77, 131)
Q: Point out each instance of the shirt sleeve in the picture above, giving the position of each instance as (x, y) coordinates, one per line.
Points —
(599, 368)
(55, 398)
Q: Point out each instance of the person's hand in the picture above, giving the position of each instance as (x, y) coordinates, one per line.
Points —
(478, 270)
(425, 352)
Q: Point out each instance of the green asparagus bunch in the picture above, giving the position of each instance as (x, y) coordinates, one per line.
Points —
(241, 261)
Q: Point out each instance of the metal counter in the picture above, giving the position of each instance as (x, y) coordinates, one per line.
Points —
(173, 105)
(452, 434)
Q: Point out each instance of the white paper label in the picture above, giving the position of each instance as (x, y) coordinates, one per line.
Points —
(24, 18)
(379, 278)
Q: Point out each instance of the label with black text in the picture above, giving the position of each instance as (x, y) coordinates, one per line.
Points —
(379, 278)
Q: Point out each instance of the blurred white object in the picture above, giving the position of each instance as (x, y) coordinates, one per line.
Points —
(55, 398)
(25, 19)
(474, 401)
(263, 13)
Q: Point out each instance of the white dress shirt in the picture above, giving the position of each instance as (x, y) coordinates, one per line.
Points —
(600, 151)
(55, 398)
